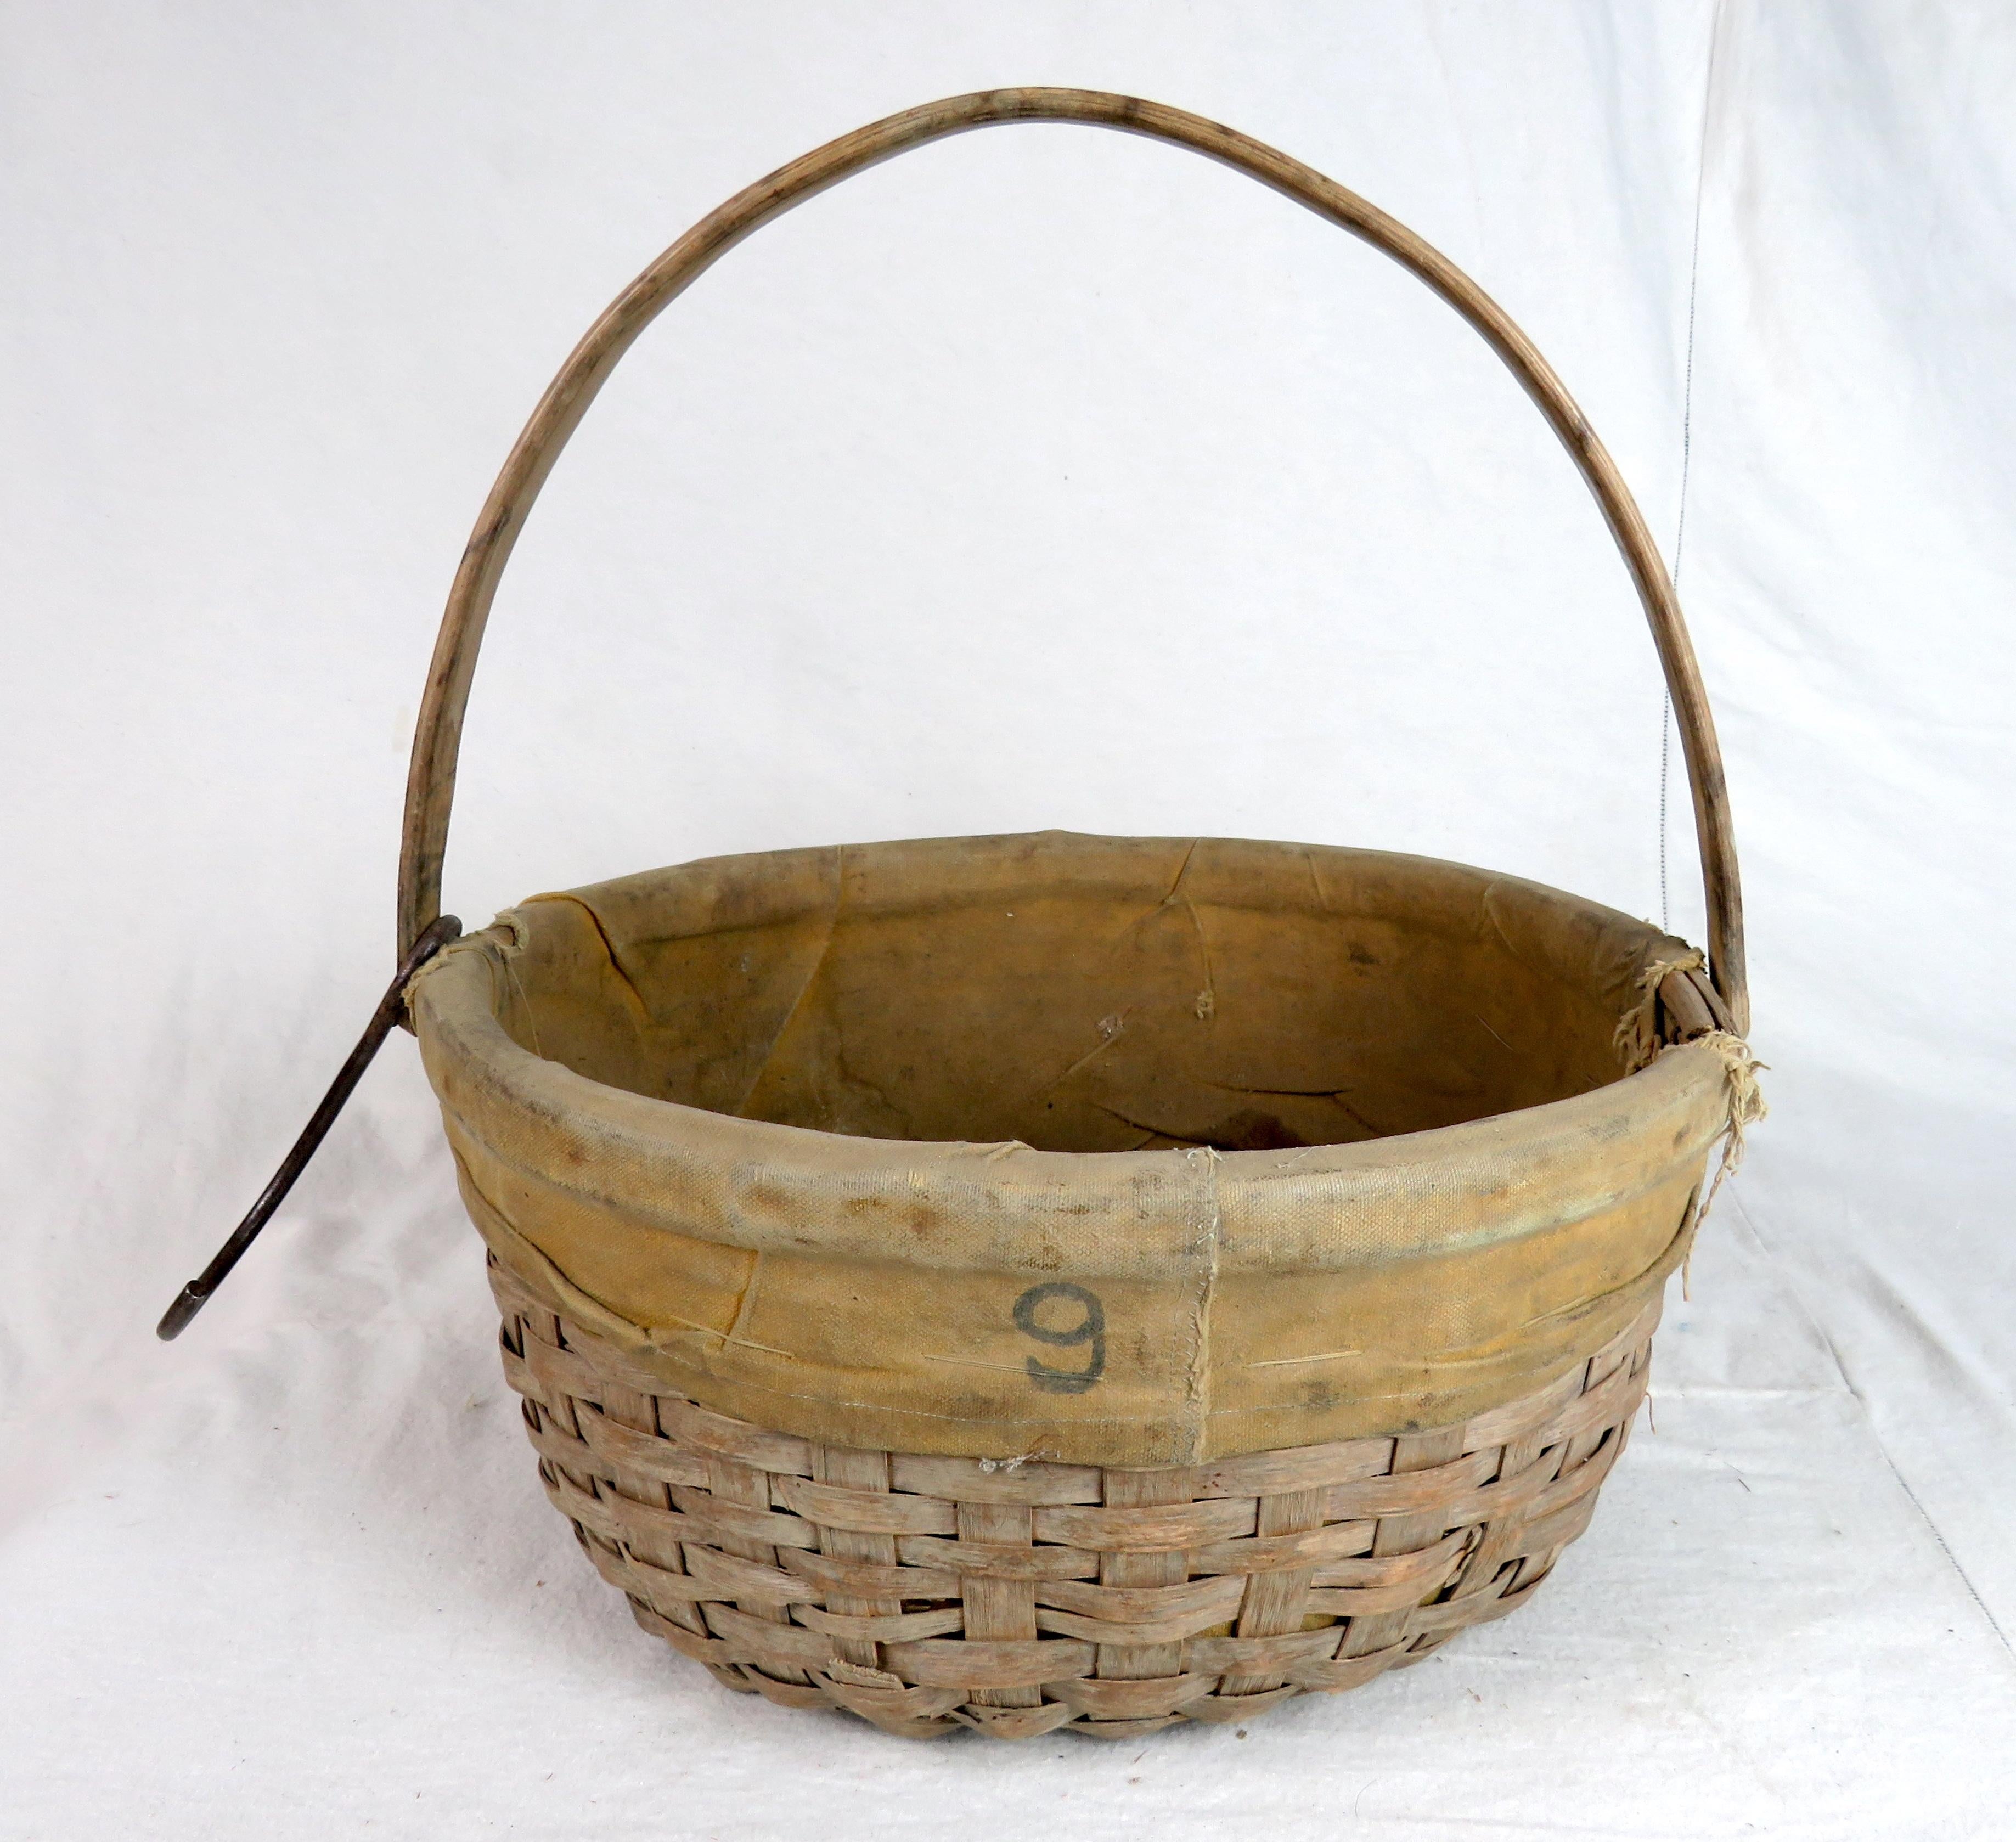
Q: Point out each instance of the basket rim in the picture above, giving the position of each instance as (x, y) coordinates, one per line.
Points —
(1601, 1146)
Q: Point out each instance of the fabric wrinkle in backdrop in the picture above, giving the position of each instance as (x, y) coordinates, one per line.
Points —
(1042, 478)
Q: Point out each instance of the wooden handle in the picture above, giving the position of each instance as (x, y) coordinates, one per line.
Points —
(430, 788)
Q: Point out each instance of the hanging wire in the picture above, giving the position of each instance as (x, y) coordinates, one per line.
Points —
(1686, 460)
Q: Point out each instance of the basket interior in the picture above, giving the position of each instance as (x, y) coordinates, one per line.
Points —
(1080, 993)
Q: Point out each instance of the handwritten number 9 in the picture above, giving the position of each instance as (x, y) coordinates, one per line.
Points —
(1089, 1329)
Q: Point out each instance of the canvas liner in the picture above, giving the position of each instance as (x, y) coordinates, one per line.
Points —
(1117, 1151)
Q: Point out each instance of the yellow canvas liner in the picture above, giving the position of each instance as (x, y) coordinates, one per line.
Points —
(1119, 1151)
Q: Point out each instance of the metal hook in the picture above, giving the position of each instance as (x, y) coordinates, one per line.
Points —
(384, 1020)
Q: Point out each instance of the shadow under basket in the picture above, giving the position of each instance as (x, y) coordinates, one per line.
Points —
(1042, 1282)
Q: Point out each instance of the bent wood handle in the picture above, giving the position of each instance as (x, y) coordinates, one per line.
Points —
(431, 789)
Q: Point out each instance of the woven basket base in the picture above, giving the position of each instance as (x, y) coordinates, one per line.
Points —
(929, 1594)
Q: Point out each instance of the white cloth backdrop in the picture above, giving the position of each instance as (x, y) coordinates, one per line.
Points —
(1045, 477)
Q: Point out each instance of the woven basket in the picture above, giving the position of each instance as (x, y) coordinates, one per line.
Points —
(922, 1593)
(1058, 1282)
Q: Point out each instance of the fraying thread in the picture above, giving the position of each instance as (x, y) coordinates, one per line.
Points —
(1637, 1039)
(1747, 1105)
(1028, 1458)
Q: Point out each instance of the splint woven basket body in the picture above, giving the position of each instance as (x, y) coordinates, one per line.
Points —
(1058, 1282)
